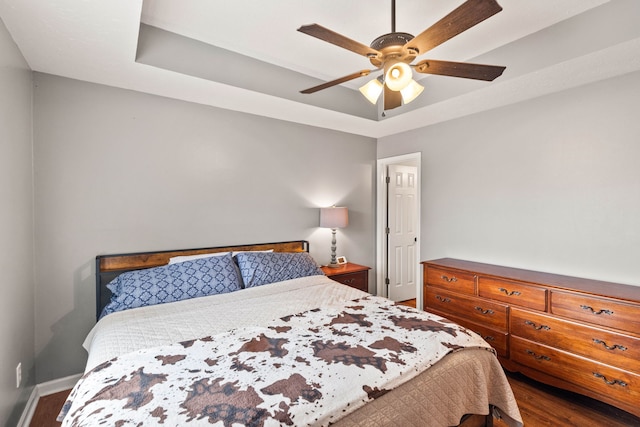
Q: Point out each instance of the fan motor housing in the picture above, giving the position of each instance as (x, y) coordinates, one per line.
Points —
(391, 46)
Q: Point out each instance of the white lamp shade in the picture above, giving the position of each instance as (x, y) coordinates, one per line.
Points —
(398, 76)
(334, 217)
(411, 92)
(372, 90)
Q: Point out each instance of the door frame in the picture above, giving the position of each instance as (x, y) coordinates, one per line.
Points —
(415, 159)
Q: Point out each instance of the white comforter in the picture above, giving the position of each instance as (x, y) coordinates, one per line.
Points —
(126, 331)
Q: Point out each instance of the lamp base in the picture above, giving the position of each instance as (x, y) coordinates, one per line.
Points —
(333, 265)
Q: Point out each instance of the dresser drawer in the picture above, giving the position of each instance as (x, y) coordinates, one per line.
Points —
(483, 312)
(357, 280)
(599, 311)
(456, 280)
(515, 293)
(615, 349)
(616, 384)
(496, 339)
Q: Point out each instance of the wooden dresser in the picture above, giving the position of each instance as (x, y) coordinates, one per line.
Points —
(577, 334)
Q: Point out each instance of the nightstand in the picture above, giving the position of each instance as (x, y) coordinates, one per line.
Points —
(354, 275)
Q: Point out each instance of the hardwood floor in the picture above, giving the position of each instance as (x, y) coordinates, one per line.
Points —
(409, 302)
(540, 405)
(48, 409)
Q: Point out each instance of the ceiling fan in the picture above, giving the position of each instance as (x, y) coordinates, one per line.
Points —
(395, 51)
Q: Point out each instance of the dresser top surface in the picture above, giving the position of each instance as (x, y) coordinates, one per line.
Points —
(595, 287)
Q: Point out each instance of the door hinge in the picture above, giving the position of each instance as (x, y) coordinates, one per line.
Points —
(387, 230)
(386, 281)
(387, 179)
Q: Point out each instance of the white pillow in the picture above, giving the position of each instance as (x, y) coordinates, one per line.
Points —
(183, 258)
(240, 252)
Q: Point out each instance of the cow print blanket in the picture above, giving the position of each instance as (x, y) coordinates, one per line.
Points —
(310, 368)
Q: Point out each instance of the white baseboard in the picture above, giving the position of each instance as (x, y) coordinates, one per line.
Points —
(29, 409)
(45, 389)
(55, 386)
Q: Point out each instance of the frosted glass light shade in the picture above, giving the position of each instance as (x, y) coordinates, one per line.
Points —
(334, 217)
(411, 92)
(398, 76)
(372, 90)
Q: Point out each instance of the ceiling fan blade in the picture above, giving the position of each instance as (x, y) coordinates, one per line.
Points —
(467, 15)
(460, 69)
(332, 37)
(392, 99)
(361, 73)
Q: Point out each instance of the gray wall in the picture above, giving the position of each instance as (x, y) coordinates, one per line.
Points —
(16, 230)
(120, 171)
(551, 184)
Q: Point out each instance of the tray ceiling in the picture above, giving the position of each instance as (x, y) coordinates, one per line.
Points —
(247, 55)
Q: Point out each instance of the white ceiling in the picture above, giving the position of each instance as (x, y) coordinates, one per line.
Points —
(97, 41)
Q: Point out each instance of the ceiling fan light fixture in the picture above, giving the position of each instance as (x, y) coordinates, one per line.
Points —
(398, 76)
(372, 90)
(411, 91)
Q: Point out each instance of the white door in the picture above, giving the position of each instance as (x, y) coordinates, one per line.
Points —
(402, 223)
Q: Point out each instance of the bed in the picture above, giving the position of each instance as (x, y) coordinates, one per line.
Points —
(290, 347)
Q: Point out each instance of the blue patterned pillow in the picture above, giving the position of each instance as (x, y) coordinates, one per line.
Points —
(261, 268)
(174, 282)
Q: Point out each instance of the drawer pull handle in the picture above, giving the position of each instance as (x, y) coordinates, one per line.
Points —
(448, 279)
(613, 347)
(586, 307)
(481, 310)
(439, 298)
(515, 293)
(489, 338)
(613, 382)
(538, 356)
(348, 281)
(536, 327)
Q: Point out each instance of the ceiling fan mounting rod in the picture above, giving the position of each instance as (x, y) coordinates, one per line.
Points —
(393, 16)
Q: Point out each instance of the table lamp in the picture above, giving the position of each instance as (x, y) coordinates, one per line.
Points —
(334, 218)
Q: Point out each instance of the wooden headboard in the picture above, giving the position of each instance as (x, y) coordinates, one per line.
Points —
(108, 267)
